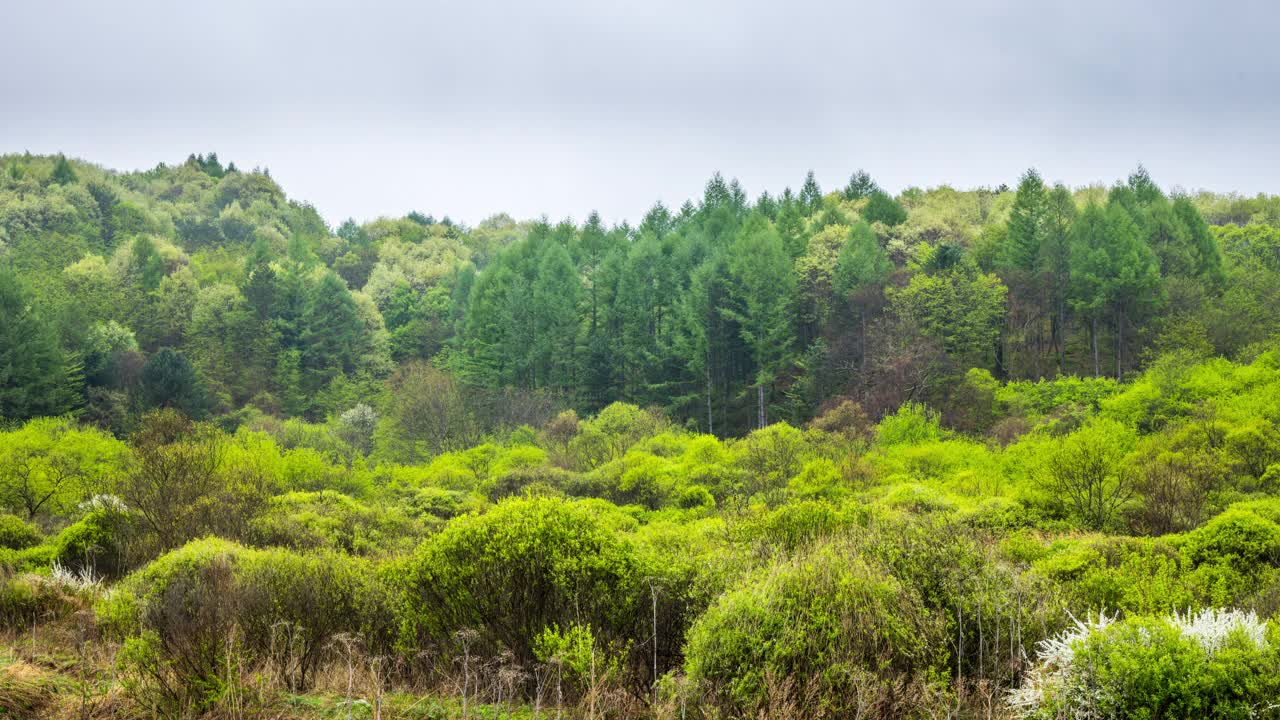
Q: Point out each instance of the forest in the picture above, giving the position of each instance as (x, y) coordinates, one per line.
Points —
(1004, 452)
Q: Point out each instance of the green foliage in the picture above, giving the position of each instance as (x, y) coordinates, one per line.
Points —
(309, 521)
(183, 607)
(912, 424)
(959, 308)
(103, 542)
(50, 464)
(518, 568)
(170, 381)
(882, 208)
(1238, 537)
(17, 534)
(1086, 472)
(1211, 665)
(845, 628)
(36, 375)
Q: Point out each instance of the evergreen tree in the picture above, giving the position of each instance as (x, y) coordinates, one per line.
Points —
(63, 173)
(36, 375)
(810, 194)
(1054, 263)
(763, 290)
(169, 380)
(863, 261)
(860, 186)
(1204, 259)
(1114, 272)
(882, 208)
(1027, 224)
(331, 333)
(555, 318)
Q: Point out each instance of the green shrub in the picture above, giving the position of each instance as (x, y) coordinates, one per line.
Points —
(839, 628)
(329, 520)
(912, 424)
(1141, 575)
(16, 533)
(1239, 537)
(184, 612)
(1213, 665)
(798, 524)
(30, 598)
(696, 496)
(435, 502)
(103, 541)
(524, 565)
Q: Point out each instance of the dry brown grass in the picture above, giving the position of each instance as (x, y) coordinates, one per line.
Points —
(26, 691)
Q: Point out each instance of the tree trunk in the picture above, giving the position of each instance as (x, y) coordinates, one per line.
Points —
(1119, 343)
(1093, 338)
(710, 425)
(760, 403)
(1062, 337)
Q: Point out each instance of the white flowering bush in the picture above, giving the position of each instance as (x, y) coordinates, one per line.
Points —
(73, 579)
(1215, 663)
(103, 503)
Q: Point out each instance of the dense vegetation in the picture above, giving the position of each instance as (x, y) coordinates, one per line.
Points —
(942, 454)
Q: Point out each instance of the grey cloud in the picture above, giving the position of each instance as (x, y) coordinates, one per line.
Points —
(559, 107)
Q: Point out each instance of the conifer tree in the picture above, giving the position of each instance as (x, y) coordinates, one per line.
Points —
(36, 376)
(763, 289)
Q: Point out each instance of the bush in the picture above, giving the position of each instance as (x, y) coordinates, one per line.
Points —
(912, 424)
(1239, 537)
(329, 520)
(16, 533)
(695, 497)
(845, 628)
(1214, 664)
(188, 610)
(103, 541)
(30, 598)
(524, 565)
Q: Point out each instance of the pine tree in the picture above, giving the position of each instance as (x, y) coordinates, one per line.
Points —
(1054, 263)
(63, 173)
(169, 380)
(36, 375)
(862, 262)
(763, 290)
(860, 186)
(810, 194)
(555, 318)
(1204, 257)
(1113, 272)
(331, 333)
(882, 208)
(1027, 224)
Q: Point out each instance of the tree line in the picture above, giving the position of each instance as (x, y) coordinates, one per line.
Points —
(203, 287)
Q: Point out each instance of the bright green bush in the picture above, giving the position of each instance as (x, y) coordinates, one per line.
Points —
(16, 533)
(797, 524)
(1134, 575)
(1238, 537)
(1213, 664)
(839, 626)
(819, 479)
(329, 520)
(518, 568)
(103, 541)
(31, 598)
(696, 497)
(913, 424)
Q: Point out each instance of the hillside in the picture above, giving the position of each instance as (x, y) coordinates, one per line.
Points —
(993, 453)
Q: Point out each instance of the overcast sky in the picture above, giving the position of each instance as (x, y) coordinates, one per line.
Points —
(558, 107)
